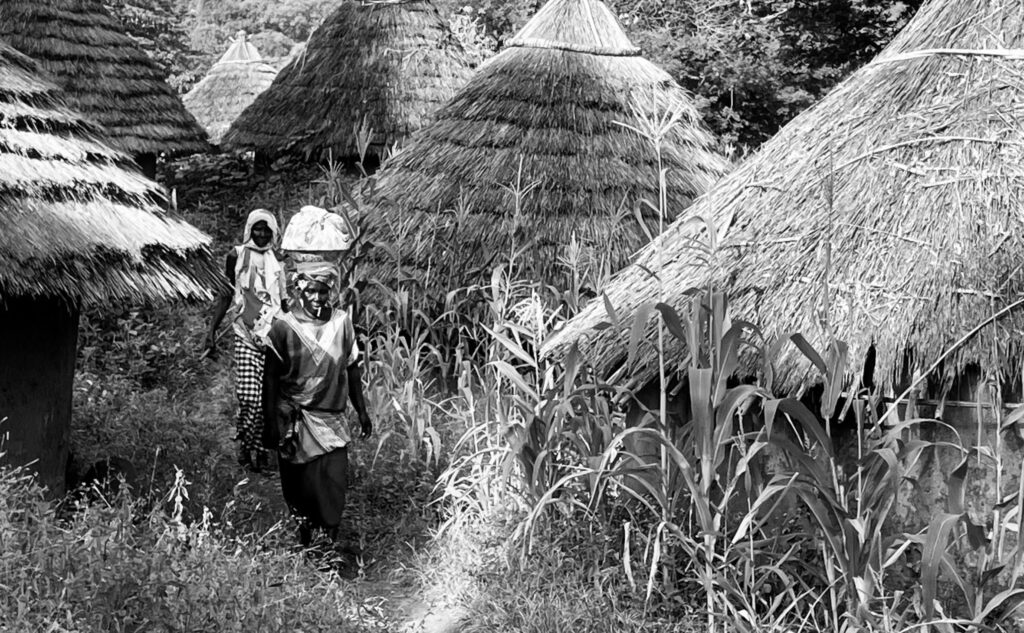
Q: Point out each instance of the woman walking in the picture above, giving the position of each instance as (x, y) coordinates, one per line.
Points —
(257, 294)
(312, 373)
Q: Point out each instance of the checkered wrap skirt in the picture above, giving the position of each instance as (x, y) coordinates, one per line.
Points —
(248, 389)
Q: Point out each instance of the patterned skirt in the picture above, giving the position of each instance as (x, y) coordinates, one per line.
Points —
(249, 363)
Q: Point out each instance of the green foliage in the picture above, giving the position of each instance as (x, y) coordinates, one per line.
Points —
(113, 565)
(158, 27)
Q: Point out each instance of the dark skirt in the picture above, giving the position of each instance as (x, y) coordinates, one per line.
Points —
(316, 490)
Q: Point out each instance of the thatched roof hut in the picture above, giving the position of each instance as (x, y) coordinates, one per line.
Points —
(234, 82)
(385, 64)
(890, 212)
(75, 228)
(554, 111)
(104, 73)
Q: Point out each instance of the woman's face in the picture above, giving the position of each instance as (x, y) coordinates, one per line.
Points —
(261, 234)
(314, 299)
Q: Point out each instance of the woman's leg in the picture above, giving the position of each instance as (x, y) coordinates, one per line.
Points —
(248, 385)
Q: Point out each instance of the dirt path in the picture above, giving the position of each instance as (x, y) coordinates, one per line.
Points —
(406, 610)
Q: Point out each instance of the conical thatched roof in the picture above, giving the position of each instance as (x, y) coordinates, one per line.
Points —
(392, 63)
(551, 110)
(74, 224)
(923, 151)
(234, 82)
(105, 75)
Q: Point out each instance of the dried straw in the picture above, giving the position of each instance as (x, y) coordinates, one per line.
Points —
(554, 110)
(888, 214)
(103, 72)
(233, 83)
(76, 224)
(387, 66)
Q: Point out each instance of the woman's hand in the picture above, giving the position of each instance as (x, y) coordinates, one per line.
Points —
(210, 346)
(365, 425)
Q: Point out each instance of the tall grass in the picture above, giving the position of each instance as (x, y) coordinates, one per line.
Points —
(113, 565)
(711, 498)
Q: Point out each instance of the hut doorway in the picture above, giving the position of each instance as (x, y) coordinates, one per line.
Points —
(37, 368)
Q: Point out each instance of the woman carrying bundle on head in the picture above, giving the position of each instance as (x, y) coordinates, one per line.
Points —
(312, 372)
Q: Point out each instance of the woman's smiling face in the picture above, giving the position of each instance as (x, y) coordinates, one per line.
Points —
(315, 297)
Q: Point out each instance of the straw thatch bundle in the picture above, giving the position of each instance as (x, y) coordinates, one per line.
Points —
(387, 65)
(554, 111)
(74, 224)
(234, 82)
(890, 212)
(103, 72)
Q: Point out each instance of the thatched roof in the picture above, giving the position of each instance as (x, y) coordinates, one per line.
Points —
(104, 73)
(234, 82)
(552, 110)
(390, 63)
(923, 152)
(74, 223)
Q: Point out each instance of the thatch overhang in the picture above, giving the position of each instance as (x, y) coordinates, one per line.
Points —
(553, 111)
(234, 82)
(104, 74)
(385, 64)
(75, 223)
(890, 212)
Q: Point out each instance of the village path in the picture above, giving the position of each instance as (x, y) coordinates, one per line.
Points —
(387, 594)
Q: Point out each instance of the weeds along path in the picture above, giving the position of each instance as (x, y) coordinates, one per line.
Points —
(387, 521)
(143, 394)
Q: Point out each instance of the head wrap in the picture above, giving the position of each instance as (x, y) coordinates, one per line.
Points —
(260, 215)
(324, 272)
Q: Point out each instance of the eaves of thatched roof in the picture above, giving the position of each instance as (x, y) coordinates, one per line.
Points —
(233, 83)
(389, 65)
(890, 213)
(105, 75)
(558, 110)
(75, 224)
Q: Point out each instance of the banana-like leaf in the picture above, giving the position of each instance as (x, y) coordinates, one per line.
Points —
(936, 540)
(834, 378)
(513, 347)
(957, 484)
(798, 411)
(640, 318)
(512, 375)
(1001, 606)
(610, 309)
(673, 321)
(806, 348)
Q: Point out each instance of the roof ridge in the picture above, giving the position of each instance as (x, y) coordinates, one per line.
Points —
(241, 50)
(584, 26)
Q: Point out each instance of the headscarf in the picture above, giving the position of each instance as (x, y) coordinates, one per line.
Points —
(325, 272)
(260, 215)
(273, 280)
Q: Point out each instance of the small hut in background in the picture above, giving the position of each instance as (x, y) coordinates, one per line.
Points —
(105, 75)
(889, 214)
(76, 228)
(383, 67)
(544, 146)
(237, 78)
